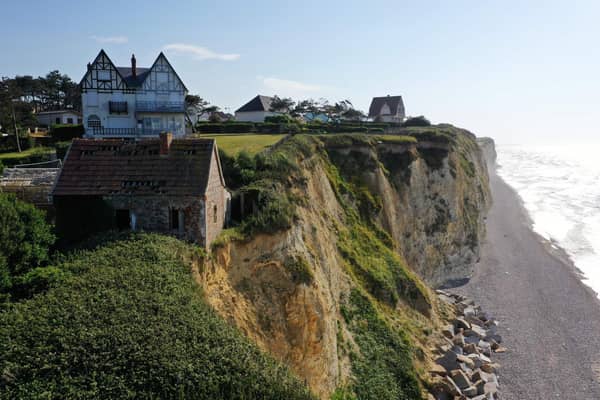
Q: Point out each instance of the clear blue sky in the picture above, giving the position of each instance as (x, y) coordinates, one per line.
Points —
(515, 70)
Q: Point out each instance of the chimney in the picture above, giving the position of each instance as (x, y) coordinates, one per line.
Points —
(165, 142)
(133, 71)
(89, 67)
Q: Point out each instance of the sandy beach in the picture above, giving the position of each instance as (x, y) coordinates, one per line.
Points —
(550, 321)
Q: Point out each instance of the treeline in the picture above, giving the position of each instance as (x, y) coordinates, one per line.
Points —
(26, 95)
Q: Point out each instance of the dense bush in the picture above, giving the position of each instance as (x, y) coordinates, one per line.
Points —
(417, 121)
(61, 133)
(130, 322)
(280, 119)
(25, 240)
(61, 149)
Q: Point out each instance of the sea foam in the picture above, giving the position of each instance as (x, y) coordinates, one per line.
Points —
(560, 188)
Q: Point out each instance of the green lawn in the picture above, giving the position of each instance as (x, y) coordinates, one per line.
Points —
(232, 144)
(34, 155)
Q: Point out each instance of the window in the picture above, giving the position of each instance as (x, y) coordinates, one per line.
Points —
(215, 215)
(117, 107)
(176, 220)
(94, 122)
(57, 121)
(122, 219)
(69, 120)
(162, 80)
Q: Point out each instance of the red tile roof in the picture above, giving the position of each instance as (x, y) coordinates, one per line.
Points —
(121, 166)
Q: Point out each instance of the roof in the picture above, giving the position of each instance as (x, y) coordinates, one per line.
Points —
(28, 176)
(127, 75)
(59, 112)
(395, 104)
(141, 72)
(259, 103)
(123, 167)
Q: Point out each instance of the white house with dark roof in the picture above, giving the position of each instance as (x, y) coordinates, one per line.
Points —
(132, 101)
(256, 110)
(387, 109)
(57, 117)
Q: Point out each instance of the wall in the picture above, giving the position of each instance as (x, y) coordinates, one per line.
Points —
(216, 195)
(253, 116)
(50, 119)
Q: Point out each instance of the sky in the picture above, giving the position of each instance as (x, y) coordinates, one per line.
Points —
(518, 71)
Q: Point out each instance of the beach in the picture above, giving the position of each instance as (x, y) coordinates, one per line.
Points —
(549, 319)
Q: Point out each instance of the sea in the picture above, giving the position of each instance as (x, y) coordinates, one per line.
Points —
(560, 189)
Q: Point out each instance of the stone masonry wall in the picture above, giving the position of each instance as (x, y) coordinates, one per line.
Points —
(216, 196)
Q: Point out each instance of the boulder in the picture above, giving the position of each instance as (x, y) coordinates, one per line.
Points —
(490, 387)
(458, 340)
(490, 368)
(448, 361)
(470, 348)
(438, 370)
(460, 322)
(465, 360)
(460, 378)
(476, 331)
(448, 331)
(470, 391)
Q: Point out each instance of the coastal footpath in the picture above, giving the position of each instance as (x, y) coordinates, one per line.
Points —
(549, 319)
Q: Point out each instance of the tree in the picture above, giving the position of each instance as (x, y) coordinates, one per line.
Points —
(25, 239)
(282, 105)
(417, 121)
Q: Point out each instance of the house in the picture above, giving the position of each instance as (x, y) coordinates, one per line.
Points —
(256, 110)
(32, 185)
(165, 184)
(387, 109)
(132, 101)
(49, 118)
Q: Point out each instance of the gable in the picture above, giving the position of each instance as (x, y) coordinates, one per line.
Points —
(103, 75)
(259, 103)
(162, 77)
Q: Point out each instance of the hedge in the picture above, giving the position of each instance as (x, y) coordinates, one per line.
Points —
(62, 133)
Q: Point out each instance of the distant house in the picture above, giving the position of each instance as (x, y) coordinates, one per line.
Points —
(256, 110)
(311, 117)
(132, 101)
(32, 185)
(173, 186)
(49, 118)
(387, 109)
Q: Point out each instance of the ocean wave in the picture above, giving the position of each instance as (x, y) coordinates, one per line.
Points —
(560, 189)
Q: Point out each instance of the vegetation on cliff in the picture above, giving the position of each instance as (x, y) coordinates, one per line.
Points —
(128, 321)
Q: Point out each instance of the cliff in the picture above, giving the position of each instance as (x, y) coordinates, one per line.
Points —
(357, 229)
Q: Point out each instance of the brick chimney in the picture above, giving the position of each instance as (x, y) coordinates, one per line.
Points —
(165, 142)
(133, 71)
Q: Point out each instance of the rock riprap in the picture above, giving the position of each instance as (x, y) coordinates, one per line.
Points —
(464, 368)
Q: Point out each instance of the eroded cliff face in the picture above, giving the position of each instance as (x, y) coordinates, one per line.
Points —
(340, 295)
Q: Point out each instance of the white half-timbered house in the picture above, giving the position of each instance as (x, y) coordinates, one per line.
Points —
(132, 101)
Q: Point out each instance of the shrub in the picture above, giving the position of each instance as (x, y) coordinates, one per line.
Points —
(61, 149)
(279, 119)
(238, 127)
(25, 239)
(417, 121)
(131, 323)
(61, 133)
(299, 269)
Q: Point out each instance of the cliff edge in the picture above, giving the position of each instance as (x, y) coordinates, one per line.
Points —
(331, 271)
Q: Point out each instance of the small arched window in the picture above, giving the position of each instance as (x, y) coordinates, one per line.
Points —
(215, 217)
(94, 121)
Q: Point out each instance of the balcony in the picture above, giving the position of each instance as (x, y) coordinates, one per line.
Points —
(124, 132)
(160, 106)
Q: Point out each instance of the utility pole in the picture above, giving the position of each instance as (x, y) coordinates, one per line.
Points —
(12, 105)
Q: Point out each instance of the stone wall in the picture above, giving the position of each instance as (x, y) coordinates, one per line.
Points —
(152, 213)
(217, 202)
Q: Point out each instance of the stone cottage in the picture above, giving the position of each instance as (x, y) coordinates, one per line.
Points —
(172, 186)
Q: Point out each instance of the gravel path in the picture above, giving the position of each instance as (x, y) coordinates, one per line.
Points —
(549, 320)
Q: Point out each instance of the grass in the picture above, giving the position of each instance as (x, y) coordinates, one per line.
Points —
(128, 321)
(232, 144)
(27, 153)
